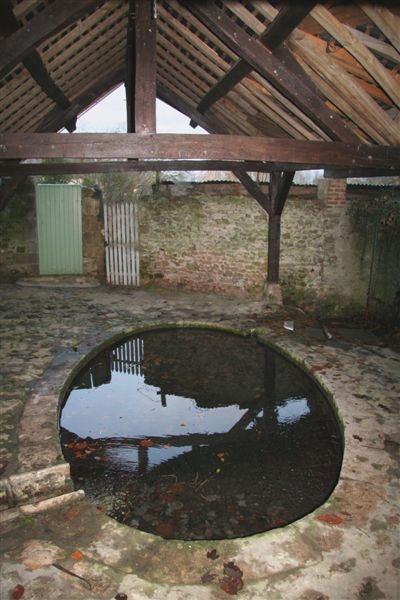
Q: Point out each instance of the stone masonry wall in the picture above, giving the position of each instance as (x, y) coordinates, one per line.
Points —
(208, 238)
(18, 235)
(93, 236)
(18, 239)
(213, 238)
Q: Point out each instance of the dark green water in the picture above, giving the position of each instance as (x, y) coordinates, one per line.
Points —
(200, 434)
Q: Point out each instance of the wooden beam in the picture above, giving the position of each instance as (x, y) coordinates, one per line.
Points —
(253, 188)
(145, 67)
(52, 19)
(385, 20)
(57, 118)
(286, 20)
(12, 168)
(279, 187)
(192, 146)
(209, 123)
(271, 68)
(130, 69)
(338, 86)
(274, 245)
(344, 173)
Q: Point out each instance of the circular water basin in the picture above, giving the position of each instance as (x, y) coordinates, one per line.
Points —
(199, 434)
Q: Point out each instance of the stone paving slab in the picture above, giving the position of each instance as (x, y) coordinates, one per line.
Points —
(346, 549)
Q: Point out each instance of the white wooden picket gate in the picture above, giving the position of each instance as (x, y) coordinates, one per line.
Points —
(122, 243)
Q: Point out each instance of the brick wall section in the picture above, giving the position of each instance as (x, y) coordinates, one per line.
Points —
(332, 192)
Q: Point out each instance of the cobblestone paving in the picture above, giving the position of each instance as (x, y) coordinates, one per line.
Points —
(346, 549)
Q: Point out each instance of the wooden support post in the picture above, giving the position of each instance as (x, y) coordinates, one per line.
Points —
(279, 187)
(274, 239)
(130, 69)
(145, 67)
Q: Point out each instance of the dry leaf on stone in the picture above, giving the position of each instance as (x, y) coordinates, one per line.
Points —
(17, 592)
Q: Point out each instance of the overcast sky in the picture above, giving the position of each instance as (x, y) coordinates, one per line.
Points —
(109, 115)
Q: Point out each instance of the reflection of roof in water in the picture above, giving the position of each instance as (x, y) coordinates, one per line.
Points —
(211, 367)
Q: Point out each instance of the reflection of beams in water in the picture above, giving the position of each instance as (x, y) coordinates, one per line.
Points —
(127, 357)
(191, 439)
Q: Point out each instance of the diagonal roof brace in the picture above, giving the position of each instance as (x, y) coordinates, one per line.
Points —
(262, 60)
(277, 31)
(50, 21)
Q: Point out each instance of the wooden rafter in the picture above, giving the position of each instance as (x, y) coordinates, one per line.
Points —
(339, 87)
(286, 20)
(34, 64)
(352, 44)
(52, 19)
(57, 118)
(387, 21)
(264, 62)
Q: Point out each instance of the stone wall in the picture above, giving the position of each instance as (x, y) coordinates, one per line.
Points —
(212, 237)
(93, 233)
(18, 239)
(18, 235)
(339, 253)
(203, 237)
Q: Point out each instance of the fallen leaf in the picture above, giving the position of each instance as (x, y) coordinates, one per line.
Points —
(77, 555)
(176, 488)
(17, 592)
(213, 554)
(165, 529)
(231, 585)
(330, 518)
(146, 443)
(208, 577)
(72, 513)
(232, 570)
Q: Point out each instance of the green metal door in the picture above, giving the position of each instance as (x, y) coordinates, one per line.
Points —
(59, 227)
